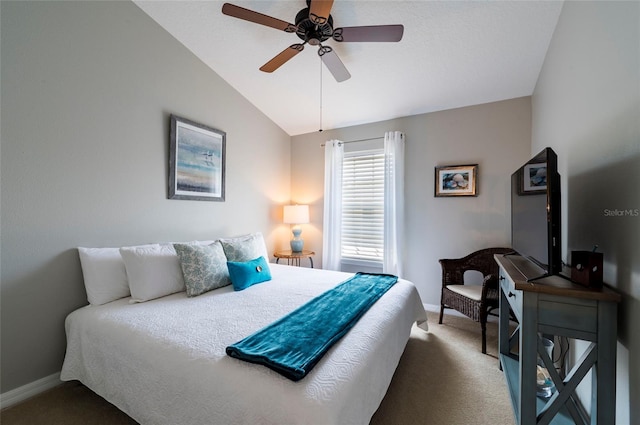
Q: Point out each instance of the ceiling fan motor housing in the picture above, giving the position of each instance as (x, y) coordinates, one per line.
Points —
(313, 34)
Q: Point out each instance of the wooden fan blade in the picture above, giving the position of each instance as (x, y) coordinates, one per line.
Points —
(319, 11)
(372, 33)
(256, 17)
(334, 64)
(282, 57)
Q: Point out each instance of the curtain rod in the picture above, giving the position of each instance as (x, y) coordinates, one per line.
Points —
(359, 140)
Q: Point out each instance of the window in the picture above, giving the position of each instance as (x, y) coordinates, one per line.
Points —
(363, 206)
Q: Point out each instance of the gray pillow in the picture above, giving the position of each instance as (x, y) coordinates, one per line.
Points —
(204, 267)
(244, 248)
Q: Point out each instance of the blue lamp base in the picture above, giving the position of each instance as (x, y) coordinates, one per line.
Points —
(297, 243)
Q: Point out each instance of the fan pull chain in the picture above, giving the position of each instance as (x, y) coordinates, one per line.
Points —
(320, 95)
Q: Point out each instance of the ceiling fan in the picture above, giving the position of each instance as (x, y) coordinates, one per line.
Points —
(314, 25)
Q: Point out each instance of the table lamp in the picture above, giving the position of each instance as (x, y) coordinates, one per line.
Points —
(296, 215)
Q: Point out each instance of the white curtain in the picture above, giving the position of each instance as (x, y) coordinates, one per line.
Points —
(332, 222)
(393, 202)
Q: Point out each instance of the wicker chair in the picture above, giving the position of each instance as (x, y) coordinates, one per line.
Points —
(474, 301)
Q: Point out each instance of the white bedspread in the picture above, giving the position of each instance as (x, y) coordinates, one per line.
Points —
(164, 361)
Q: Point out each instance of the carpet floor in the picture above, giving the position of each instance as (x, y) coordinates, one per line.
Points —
(442, 379)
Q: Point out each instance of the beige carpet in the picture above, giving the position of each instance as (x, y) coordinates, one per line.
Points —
(442, 379)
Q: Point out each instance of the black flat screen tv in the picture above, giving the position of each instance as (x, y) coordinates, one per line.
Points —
(535, 212)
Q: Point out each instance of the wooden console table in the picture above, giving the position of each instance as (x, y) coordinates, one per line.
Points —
(556, 306)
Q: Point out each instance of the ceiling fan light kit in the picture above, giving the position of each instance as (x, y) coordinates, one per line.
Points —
(314, 25)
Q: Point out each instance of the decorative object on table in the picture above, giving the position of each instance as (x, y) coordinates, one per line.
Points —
(457, 180)
(586, 268)
(196, 161)
(296, 215)
(544, 383)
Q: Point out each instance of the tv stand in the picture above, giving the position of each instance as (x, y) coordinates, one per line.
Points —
(555, 306)
(542, 276)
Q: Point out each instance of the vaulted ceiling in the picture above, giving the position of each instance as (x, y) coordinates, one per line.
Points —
(452, 54)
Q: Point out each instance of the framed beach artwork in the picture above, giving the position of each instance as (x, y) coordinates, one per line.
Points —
(533, 179)
(196, 161)
(457, 180)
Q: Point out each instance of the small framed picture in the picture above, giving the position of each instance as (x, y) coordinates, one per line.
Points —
(457, 180)
(196, 161)
(534, 179)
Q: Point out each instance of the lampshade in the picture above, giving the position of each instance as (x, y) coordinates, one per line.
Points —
(296, 214)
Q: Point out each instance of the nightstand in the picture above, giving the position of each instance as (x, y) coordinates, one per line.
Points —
(293, 258)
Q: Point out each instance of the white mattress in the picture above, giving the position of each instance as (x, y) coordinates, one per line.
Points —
(164, 361)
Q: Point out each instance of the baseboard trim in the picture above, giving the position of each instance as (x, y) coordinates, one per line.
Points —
(435, 308)
(29, 390)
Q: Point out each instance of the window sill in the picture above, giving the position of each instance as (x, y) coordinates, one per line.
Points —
(361, 263)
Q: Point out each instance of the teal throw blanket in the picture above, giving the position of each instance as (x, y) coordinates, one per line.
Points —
(294, 344)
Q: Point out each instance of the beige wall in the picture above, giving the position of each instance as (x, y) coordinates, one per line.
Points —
(87, 89)
(586, 106)
(497, 136)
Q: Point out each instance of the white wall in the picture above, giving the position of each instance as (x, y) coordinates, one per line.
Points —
(497, 136)
(87, 90)
(586, 106)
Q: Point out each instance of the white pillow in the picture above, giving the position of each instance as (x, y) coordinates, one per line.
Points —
(105, 278)
(245, 248)
(153, 271)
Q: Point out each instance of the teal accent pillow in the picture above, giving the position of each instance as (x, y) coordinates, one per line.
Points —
(204, 267)
(247, 273)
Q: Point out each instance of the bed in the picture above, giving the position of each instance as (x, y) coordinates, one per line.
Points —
(163, 361)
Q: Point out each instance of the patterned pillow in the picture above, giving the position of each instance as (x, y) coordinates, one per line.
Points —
(204, 267)
(248, 273)
(244, 248)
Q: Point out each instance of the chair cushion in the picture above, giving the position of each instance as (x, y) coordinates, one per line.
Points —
(473, 292)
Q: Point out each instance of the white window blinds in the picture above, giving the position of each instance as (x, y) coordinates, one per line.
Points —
(363, 206)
